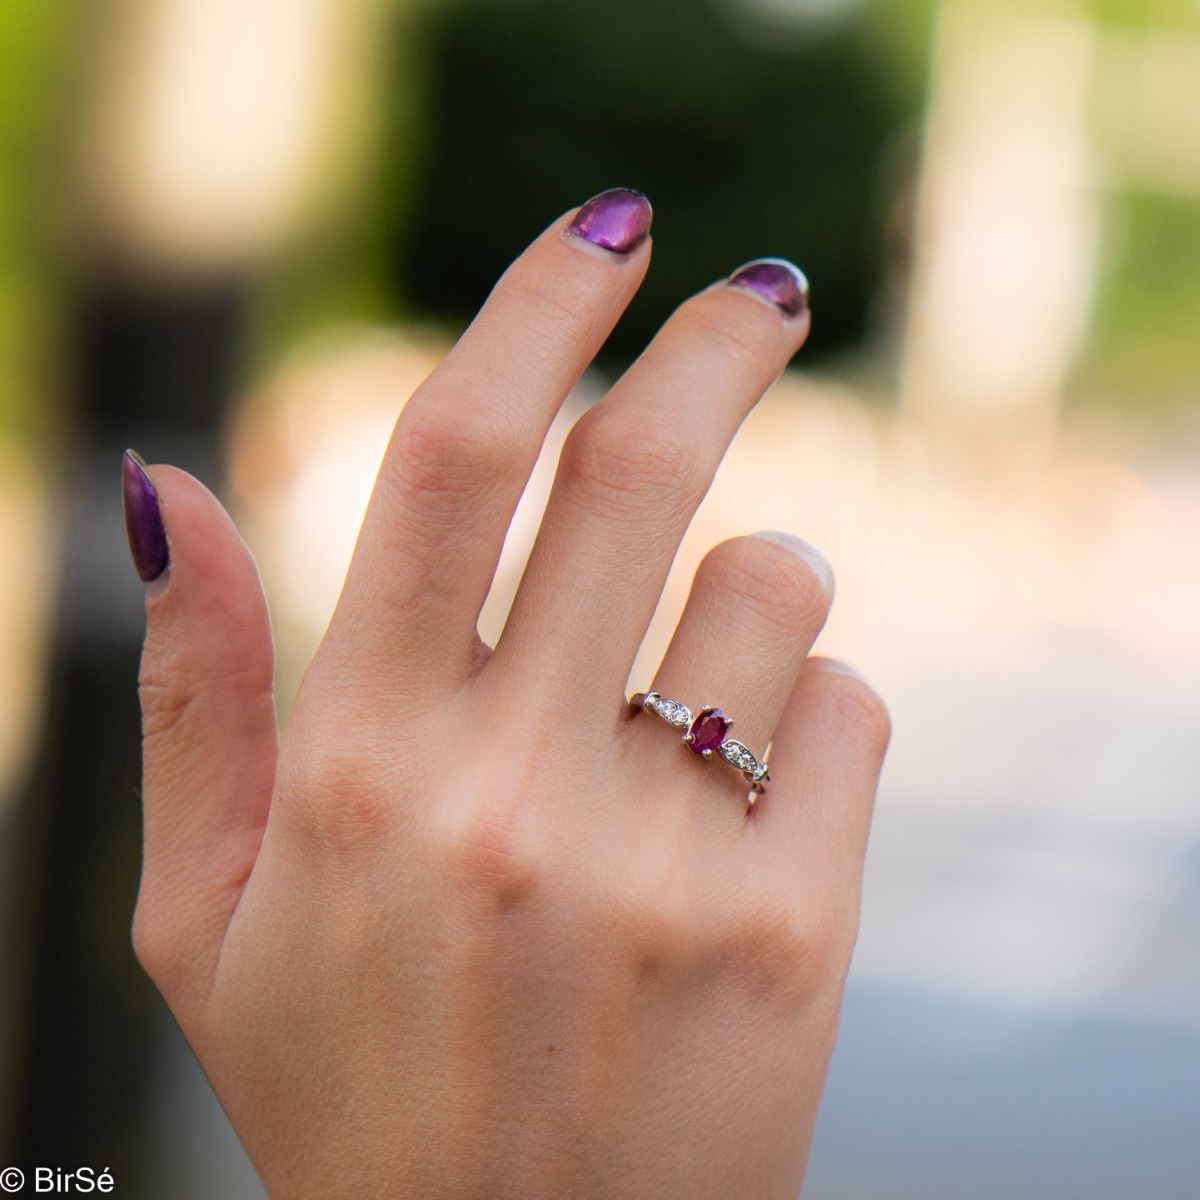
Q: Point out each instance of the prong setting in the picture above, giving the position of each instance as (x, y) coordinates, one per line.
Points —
(705, 734)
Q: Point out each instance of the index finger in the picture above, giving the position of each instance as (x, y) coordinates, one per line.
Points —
(466, 443)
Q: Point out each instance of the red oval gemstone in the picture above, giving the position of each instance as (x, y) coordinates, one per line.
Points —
(708, 731)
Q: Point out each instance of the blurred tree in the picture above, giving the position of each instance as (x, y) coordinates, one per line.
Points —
(748, 141)
(1183, 15)
(1145, 350)
(1143, 353)
(36, 50)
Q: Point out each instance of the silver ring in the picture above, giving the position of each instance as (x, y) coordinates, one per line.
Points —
(704, 734)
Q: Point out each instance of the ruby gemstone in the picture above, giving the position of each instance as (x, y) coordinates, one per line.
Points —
(708, 731)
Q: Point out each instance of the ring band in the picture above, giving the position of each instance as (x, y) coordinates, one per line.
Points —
(704, 735)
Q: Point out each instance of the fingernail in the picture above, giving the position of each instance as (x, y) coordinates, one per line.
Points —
(776, 280)
(805, 550)
(143, 521)
(617, 220)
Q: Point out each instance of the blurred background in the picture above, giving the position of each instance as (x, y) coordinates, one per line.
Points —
(236, 234)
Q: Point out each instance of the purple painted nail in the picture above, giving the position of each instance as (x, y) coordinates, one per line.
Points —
(143, 521)
(618, 220)
(776, 280)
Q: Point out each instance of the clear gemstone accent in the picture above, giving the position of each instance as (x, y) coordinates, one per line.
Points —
(673, 713)
(704, 734)
(734, 753)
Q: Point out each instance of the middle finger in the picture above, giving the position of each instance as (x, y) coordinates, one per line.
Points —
(632, 473)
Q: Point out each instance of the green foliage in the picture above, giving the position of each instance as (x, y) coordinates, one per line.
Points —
(36, 39)
(1144, 350)
(1175, 15)
(745, 148)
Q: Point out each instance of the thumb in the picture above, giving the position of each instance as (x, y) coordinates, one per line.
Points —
(209, 739)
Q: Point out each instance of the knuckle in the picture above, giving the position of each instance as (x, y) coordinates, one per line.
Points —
(657, 934)
(174, 678)
(166, 695)
(167, 685)
(440, 451)
(344, 820)
(754, 573)
(769, 945)
(335, 795)
(490, 853)
(649, 918)
(156, 949)
(170, 945)
(779, 951)
(858, 712)
(145, 941)
(769, 948)
(559, 313)
(735, 334)
(623, 464)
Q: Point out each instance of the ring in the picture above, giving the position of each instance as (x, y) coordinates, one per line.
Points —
(704, 735)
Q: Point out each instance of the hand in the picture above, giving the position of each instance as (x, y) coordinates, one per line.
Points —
(476, 928)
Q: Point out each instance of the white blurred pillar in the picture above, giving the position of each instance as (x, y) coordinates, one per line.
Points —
(1006, 230)
(217, 126)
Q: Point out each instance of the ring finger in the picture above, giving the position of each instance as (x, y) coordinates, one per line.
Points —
(631, 474)
(756, 607)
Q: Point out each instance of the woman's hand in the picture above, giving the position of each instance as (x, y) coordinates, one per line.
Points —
(476, 928)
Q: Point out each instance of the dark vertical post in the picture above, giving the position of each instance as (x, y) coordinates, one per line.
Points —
(156, 366)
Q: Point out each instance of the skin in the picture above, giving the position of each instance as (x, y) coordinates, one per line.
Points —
(474, 928)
